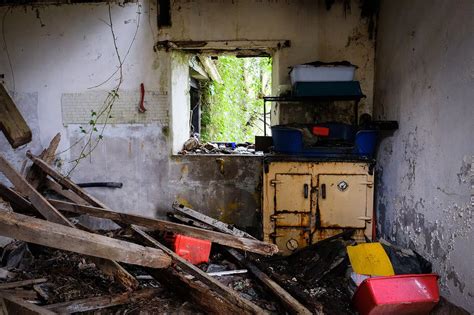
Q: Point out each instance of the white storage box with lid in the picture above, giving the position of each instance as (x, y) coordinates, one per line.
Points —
(322, 73)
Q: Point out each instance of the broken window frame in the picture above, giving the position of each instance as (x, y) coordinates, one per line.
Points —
(188, 49)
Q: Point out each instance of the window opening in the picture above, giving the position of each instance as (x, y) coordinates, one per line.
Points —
(227, 103)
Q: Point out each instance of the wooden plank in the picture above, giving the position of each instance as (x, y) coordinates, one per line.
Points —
(243, 243)
(291, 304)
(29, 295)
(12, 123)
(35, 176)
(218, 225)
(202, 276)
(23, 283)
(117, 272)
(101, 302)
(14, 305)
(201, 295)
(110, 268)
(15, 199)
(66, 193)
(230, 295)
(64, 181)
(58, 236)
(38, 201)
(187, 221)
(220, 238)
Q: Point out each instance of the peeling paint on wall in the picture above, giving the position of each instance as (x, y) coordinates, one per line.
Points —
(424, 172)
(341, 33)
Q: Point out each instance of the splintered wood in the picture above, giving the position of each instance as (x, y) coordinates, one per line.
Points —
(290, 303)
(251, 245)
(12, 123)
(55, 235)
(60, 233)
(39, 202)
(101, 302)
(51, 214)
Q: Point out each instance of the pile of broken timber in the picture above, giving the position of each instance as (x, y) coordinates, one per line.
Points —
(56, 231)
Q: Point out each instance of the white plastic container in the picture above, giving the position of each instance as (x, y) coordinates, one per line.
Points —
(308, 73)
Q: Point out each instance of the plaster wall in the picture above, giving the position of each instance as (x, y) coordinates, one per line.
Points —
(424, 79)
(60, 57)
(316, 33)
(56, 56)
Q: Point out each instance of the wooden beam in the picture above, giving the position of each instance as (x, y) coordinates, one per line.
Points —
(218, 225)
(101, 302)
(291, 304)
(23, 283)
(12, 123)
(117, 272)
(243, 243)
(219, 238)
(110, 268)
(211, 68)
(230, 295)
(15, 199)
(58, 236)
(66, 193)
(36, 199)
(35, 176)
(29, 295)
(11, 304)
(200, 294)
(64, 181)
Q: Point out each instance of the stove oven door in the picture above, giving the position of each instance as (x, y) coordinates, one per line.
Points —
(292, 213)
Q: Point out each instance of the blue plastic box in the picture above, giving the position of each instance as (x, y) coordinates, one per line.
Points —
(289, 140)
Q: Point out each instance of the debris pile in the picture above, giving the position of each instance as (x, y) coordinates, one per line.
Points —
(85, 270)
(194, 146)
(57, 265)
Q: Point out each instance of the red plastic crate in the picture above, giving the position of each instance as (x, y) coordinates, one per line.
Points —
(402, 294)
(321, 131)
(194, 250)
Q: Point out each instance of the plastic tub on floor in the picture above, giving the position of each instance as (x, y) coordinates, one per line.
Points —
(395, 295)
(192, 249)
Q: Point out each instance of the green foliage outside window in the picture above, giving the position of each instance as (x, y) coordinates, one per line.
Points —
(233, 110)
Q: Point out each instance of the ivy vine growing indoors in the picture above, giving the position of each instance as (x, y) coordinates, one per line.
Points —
(93, 133)
(233, 110)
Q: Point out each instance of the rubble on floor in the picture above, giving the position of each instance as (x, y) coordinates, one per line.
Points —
(69, 277)
(102, 270)
(57, 265)
(316, 275)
